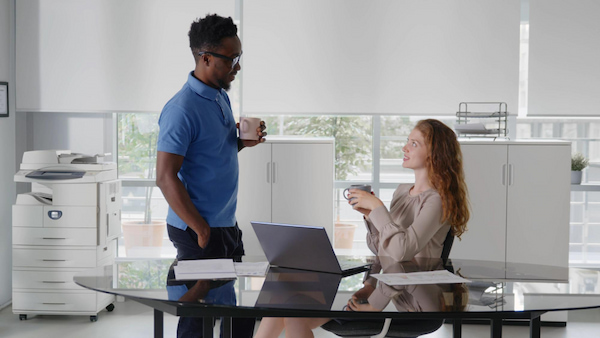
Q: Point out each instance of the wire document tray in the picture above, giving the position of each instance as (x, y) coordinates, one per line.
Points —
(482, 119)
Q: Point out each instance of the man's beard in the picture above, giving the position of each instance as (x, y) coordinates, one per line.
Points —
(224, 85)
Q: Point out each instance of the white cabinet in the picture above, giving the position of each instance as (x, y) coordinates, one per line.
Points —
(520, 198)
(485, 174)
(286, 180)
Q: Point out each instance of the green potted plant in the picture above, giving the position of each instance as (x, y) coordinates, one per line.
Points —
(578, 163)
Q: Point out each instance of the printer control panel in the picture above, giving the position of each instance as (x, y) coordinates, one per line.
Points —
(55, 214)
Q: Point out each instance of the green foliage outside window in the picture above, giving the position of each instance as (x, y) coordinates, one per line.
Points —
(353, 139)
(137, 135)
(395, 129)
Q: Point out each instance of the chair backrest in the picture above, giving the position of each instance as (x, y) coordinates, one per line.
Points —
(447, 246)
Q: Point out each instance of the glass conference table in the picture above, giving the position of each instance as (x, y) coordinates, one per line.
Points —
(498, 292)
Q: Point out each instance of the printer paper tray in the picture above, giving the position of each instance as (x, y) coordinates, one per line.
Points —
(89, 177)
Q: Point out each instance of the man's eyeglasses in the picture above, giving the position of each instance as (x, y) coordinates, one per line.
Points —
(234, 61)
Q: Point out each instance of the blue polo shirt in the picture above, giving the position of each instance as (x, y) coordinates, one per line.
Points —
(198, 124)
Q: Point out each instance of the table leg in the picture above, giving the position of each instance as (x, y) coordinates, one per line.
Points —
(496, 328)
(208, 327)
(158, 324)
(456, 328)
(535, 327)
(227, 328)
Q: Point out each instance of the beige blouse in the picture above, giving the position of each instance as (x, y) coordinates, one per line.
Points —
(411, 228)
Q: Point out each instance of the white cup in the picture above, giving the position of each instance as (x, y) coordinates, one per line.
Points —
(248, 126)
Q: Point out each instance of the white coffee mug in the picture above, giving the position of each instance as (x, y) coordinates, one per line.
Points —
(248, 126)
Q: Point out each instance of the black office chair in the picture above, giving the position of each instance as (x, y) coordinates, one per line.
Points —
(447, 246)
(393, 328)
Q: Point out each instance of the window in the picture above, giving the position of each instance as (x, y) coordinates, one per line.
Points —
(143, 202)
(368, 150)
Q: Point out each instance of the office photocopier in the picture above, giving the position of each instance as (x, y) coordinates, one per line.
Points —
(68, 223)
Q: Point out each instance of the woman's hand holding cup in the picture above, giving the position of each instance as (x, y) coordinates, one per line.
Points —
(361, 198)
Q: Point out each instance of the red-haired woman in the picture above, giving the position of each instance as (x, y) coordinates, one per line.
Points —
(419, 218)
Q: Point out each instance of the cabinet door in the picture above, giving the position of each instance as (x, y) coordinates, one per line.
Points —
(254, 193)
(485, 174)
(303, 184)
(538, 204)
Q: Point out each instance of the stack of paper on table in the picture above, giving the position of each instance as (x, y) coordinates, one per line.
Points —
(217, 269)
(205, 269)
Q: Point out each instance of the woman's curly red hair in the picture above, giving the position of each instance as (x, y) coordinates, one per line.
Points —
(445, 171)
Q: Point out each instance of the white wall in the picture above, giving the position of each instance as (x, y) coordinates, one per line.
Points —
(80, 133)
(105, 55)
(126, 57)
(7, 153)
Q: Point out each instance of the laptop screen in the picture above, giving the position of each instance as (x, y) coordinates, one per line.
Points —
(297, 246)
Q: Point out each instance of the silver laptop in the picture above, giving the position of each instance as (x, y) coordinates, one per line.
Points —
(302, 247)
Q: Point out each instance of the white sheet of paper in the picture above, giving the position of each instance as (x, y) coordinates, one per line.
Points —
(423, 277)
(205, 269)
(251, 268)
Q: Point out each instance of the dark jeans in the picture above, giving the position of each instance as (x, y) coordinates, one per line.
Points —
(223, 243)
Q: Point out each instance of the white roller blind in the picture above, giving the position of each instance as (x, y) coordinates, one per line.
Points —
(105, 55)
(417, 57)
(564, 58)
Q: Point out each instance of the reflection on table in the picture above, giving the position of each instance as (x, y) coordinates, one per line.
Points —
(489, 289)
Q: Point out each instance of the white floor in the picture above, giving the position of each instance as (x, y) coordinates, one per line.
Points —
(133, 320)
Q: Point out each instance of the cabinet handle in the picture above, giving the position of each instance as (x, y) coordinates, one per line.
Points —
(510, 174)
(54, 303)
(504, 174)
(53, 238)
(54, 260)
(274, 172)
(268, 172)
(53, 282)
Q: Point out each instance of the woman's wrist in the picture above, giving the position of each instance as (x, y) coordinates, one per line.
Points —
(374, 203)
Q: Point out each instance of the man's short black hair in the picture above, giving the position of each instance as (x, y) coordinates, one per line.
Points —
(206, 34)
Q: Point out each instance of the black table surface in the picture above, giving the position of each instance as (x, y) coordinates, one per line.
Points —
(288, 292)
